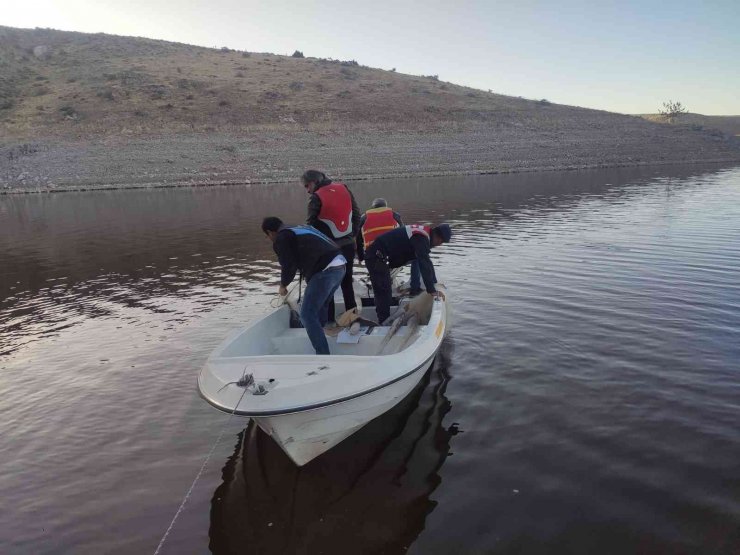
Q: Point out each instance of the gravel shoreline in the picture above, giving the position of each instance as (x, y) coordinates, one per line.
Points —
(281, 155)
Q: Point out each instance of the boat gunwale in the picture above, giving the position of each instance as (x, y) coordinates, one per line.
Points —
(315, 406)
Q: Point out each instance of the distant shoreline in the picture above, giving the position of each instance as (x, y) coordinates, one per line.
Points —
(94, 111)
(280, 155)
(139, 186)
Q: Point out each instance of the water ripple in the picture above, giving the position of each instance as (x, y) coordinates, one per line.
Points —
(592, 370)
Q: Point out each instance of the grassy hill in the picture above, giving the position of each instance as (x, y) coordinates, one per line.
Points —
(92, 110)
(103, 84)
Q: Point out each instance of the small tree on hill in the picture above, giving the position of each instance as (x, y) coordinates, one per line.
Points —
(671, 110)
(298, 54)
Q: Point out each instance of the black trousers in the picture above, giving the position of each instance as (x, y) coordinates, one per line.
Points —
(348, 292)
(380, 277)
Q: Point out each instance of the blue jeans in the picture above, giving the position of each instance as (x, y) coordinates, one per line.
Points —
(315, 306)
(415, 282)
(380, 277)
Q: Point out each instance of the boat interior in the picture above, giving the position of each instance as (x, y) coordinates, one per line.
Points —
(281, 333)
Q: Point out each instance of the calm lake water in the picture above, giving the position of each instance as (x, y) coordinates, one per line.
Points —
(587, 400)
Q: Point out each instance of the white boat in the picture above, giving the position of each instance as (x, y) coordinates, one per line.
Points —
(308, 403)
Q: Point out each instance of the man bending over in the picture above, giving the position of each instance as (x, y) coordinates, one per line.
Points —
(305, 249)
(397, 248)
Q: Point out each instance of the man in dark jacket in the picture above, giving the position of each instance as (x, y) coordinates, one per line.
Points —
(305, 249)
(333, 211)
(397, 248)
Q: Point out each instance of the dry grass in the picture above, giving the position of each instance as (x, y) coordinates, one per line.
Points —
(106, 111)
(103, 84)
(729, 125)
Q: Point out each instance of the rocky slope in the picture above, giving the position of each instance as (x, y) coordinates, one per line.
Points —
(80, 111)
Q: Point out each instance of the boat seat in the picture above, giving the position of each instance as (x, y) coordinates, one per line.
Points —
(294, 341)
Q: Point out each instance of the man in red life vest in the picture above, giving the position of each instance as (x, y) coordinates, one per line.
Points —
(380, 219)
(397, 248)
(333, 211)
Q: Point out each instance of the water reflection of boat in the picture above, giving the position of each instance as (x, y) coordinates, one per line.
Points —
(370, 494)
(309, 403)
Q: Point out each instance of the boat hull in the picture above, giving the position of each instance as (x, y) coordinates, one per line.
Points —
(306, 435)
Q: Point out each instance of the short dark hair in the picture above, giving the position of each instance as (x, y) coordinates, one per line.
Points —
(443, 231)
(315, 176)
(271, 223)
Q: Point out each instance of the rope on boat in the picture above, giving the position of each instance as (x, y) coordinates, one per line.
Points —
(277, 301)
(197, 476)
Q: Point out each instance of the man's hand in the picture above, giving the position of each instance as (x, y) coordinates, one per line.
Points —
(282, 290)
(439, 295)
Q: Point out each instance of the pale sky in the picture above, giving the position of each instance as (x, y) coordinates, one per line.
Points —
(625, 56)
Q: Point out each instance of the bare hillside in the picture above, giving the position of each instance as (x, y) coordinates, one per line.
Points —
(105, 84)
(729, 125)
(80, 110)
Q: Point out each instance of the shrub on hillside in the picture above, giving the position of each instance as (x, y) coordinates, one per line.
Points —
(129, 77)
(271, 95)
(157, 92)
(189, 84)
(68, 112)
(672, 110)
(25, 149)
(297, 54)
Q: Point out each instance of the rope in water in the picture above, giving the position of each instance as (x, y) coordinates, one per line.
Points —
(197, 477)
(276, 302)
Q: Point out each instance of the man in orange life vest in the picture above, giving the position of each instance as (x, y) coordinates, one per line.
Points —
(397, 248)
(333, 211)
(379, 219)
